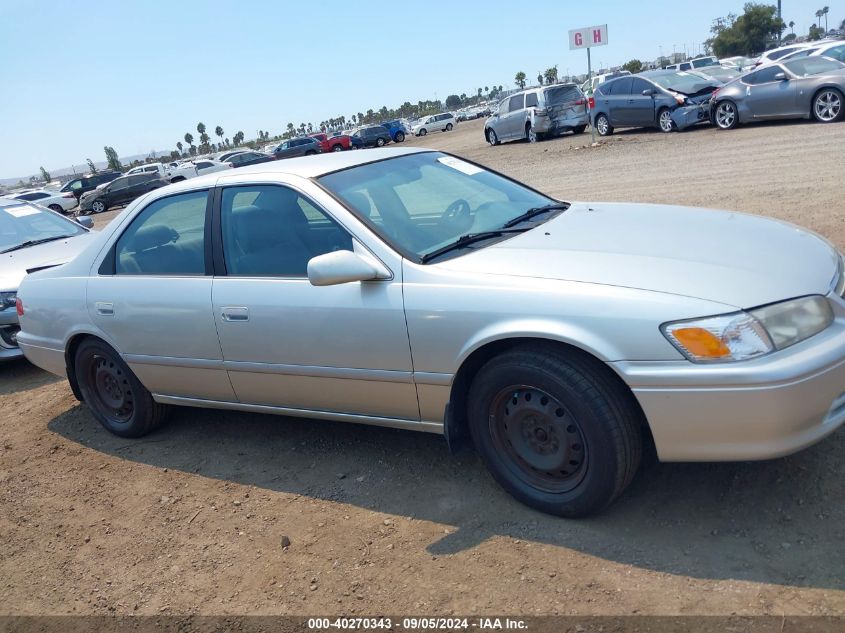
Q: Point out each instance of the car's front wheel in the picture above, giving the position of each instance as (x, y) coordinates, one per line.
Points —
(379, 142)
(422, 132)
(400, 136)
(448, 127)
(603, 126)
(579, 129)
(98, 206)
(115, 396)
(827, 105)
(337, 148)
(57, 208)
(664, 121)
(556, 430)
(726, 116)
(492, 138)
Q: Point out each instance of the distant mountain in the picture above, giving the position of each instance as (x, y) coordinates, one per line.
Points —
(79, 169)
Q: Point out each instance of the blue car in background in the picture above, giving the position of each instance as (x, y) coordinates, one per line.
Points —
(397, 130)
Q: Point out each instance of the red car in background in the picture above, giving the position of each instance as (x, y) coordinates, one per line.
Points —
(333, 143)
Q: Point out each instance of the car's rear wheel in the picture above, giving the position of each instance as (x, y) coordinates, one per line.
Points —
(664, 121)
(337, 148)
(603, 126)
(531, 134)
(422, 132)
(555, 430)
(98, 206)
(57, 208)
(177, 179)
(827, 105)
(726, 116)
(579, 129)
(448, 127)
(379, 142)
(400, 136)
(492, 138)
(115, 396)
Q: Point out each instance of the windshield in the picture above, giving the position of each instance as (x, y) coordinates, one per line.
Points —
(684, 82)
(421, 202)
(807, 66)
(21, 222)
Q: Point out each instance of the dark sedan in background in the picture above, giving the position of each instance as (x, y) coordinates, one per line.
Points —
(803, 88)
(373, 136)
(119, 192)
(305, 146)
(243, 159)
(83, 184)
(666, 99)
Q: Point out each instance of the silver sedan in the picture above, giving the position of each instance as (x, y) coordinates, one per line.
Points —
(410, 288)
(803, 88)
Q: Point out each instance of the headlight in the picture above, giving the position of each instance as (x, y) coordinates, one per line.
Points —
(746, 335)
(7, 300)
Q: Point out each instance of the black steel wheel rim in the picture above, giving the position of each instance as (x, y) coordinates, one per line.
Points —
(539, 439)
(112, 392)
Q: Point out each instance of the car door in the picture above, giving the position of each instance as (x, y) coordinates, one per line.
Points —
(770, 98)
(640, 107)
(287, 343)
(114, 191)
(515, 118)
(621, 102)
(151, 298)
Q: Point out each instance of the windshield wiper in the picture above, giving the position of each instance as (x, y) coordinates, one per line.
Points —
(29, 243)
(534, 211)
(466, 240)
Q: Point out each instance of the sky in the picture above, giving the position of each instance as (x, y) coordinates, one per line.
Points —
(77, 76)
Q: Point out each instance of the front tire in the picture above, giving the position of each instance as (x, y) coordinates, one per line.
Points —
(665, 122)
(448, 127)
(379, 142)
(827, 105)
(337, 148)
(310, 152)
(556, 430)
(603, 126)
(112, 392)
(579, 129)
(400, 137)
(726, 115)
(492, 138)
(58, 208)
(422, 132)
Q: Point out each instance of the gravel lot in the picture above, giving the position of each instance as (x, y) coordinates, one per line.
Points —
(192, 518)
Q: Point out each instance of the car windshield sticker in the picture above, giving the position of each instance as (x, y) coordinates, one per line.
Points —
(462, 166)
(21, 211)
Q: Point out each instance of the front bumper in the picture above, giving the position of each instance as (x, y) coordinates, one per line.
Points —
(8, 335)
(759, 409)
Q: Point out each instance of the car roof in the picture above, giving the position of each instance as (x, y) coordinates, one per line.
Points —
(306, 166)
(658, 73)
(11, 202)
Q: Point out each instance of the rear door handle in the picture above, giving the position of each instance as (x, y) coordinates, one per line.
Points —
(235, 314)
(104, 308)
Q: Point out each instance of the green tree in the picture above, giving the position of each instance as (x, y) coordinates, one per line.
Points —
(179, 146)
(815, 33)
(200, 128)
(540, 78)
(219, 132)
(45, 175)
(789, 37)
(747, 34)
(189, 139)
(519, 79)
(634, 66)
(825, 11)
(551, 75)
(453, 102)
(238, 138)
(91, 166)
(792, 26)
(112, 159)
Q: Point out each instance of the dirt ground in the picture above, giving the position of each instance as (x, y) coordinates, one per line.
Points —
(192, 519)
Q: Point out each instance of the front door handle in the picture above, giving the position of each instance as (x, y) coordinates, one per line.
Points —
(104, 308)
(235, 314)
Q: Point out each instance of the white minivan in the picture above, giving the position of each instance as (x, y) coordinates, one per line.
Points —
(435, 123)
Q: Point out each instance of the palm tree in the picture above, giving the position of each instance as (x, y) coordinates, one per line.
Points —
(519, 79)
(792, 27)
(825, 11)
(189, 139)
(179, 147)
(540, 78)
(219, 132)
(200, 128)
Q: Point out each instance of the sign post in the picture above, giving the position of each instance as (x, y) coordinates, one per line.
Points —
(588, 37)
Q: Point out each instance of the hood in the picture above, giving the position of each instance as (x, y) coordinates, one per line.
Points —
(13, 266)
(732, 258)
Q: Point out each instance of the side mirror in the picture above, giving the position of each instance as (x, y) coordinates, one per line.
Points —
(341, 267)
(780, 77)
(648, 92)
(85, 221)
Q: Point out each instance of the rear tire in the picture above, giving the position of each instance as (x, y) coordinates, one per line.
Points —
(448, 127)
(603, 126)
(379, 142)
(556, 430)
(337, 148)
(98, 206)
(828, 105)
(112, 392)
(530, 134)
(579, 129)
(310, 152)
(422, 132)
(400, 136)
(57, 208)
(726, 115)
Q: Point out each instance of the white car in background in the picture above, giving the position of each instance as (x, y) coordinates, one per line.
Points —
(443, 122)
(779, 53)
(834, 50)
(59, 202)
(195, 168)
(153, 168)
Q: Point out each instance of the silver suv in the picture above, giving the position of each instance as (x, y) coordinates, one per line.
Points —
(538, 112)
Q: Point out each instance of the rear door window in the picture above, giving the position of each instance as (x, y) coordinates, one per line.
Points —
(531, 100)
(517, 102)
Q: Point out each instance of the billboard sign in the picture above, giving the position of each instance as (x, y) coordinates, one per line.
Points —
(588, 37)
